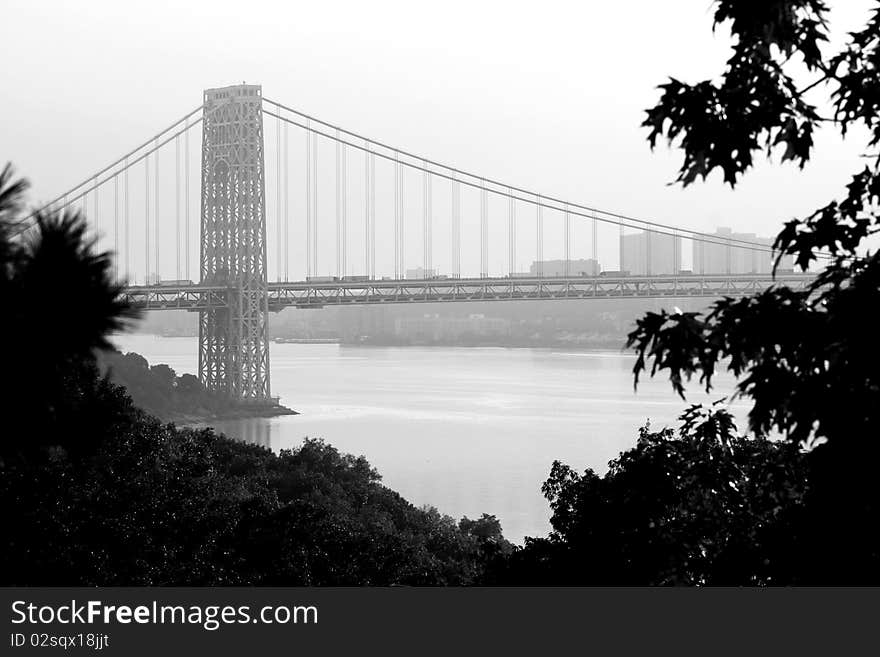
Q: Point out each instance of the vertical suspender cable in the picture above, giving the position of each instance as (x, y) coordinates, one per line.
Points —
(648, 236)
(396, 216)
(675, 255)
(620, 248)
(308, 200)
(424, 222)
(286, 206)
(188, 276)
(484, 229)
(97, 215)
(426, 258)
(540, 238)
(125, 220)
(453, 241)
(344, 210)
(455, 255)
(482, 221)
(116, 227)
(278, 245)
(366, 207)
(177, 205)
(513, 253)
(147, 220)
(158, 270)
(452, 227)
(566, 265)
(338, 210)
(511, 233)
(430, 227)
(595, 244)
(372, 216)
(402, 231)
(315, 203)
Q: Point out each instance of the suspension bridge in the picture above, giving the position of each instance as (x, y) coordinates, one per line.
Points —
(357, 221)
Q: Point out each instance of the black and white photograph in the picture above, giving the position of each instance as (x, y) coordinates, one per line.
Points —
(415, 296)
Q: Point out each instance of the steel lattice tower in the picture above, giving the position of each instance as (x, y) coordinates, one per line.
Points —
(233, 340)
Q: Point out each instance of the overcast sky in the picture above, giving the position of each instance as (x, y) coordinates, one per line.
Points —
(547, 95)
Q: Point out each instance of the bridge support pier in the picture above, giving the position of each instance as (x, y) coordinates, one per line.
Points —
(233, 340)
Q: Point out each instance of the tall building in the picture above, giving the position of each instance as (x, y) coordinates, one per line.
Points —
(725, 256)
(650, 254)
(419, 273)
(550, 268)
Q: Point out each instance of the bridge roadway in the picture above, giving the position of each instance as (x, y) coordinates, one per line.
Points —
(355, 291)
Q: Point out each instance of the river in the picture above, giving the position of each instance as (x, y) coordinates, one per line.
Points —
(467, 430)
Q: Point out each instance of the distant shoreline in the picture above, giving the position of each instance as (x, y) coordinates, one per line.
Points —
(598, 345)
(609, 344)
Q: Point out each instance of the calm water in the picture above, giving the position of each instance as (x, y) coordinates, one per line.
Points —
(468, 431)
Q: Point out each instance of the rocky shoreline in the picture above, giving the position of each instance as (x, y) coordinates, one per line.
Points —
(204, 417)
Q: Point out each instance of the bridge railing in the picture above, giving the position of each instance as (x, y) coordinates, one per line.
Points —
(313, 294)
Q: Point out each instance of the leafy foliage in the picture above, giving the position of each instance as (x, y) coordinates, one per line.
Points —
(52, 273)
(809, 360)
(160, 392)
(757, 105)
(158, 505)
(705, 506)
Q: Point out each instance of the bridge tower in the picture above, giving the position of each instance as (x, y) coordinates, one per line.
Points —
(233, 340)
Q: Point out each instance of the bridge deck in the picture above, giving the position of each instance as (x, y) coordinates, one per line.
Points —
(314, 294)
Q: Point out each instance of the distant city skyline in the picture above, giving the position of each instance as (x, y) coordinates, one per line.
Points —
(524, 97)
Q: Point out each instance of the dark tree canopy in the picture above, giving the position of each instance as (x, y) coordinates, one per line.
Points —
(160, 392)
(703, 505)
(809, 360)
(60, 303)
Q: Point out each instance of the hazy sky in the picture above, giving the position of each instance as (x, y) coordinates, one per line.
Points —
(547, 96)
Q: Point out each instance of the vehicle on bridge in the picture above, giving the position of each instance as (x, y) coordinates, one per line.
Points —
(180, 282)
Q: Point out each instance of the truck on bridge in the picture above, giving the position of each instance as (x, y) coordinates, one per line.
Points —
(179, 282)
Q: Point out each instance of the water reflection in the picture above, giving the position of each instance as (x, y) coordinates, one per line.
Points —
(256, 432)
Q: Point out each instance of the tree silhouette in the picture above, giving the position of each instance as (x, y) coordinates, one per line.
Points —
(11, 201)
(60, 304)
(808, 360)
(701, 506)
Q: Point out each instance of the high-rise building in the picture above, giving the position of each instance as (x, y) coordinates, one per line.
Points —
(550, 268)
(650, 254)
(420, 273)
(724, 254)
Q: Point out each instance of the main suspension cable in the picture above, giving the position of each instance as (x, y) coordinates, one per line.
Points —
(483, 180)
(549, 202)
